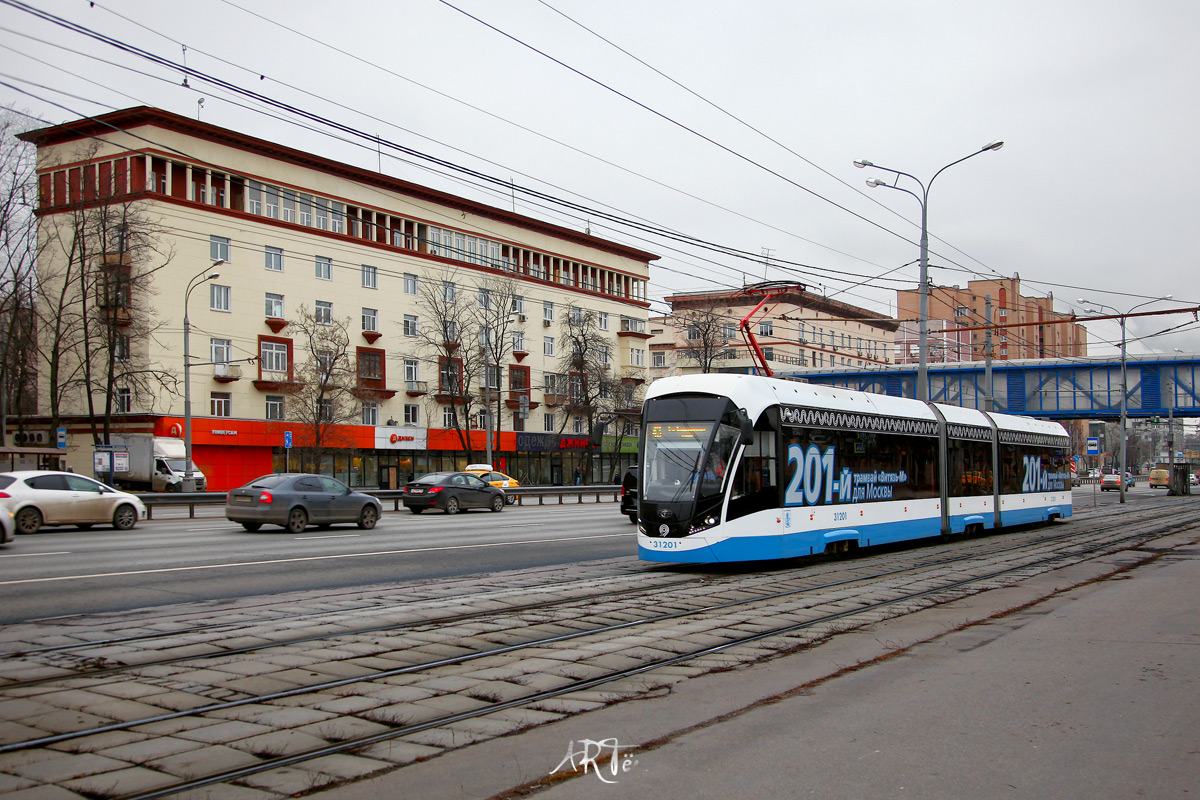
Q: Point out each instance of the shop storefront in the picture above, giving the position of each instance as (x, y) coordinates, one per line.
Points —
(233, 452)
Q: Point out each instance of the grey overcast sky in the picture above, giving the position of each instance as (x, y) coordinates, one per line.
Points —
(736, 124)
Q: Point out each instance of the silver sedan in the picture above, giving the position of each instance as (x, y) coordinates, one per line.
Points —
(37, 498)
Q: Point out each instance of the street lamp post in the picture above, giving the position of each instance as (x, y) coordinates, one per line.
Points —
(922, 388)
(1124, 380)
(208, 274)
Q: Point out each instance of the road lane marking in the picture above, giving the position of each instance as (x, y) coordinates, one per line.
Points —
(330, 536)
(308, 558)
(33, 555)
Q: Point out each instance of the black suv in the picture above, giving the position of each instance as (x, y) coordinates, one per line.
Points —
(629, 494)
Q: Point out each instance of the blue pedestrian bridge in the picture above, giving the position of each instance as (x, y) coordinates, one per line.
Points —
(1062, 388)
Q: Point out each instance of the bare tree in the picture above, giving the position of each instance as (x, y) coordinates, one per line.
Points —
(449, 337)
(494, 318)
(706, 332)
(594, 389)
(325, 376)
(18, 249)
(96, 316)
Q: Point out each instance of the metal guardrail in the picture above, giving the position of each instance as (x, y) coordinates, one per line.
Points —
(523, 493)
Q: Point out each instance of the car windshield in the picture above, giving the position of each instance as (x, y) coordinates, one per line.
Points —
(269, 481)
(680, 462)
(179, 465)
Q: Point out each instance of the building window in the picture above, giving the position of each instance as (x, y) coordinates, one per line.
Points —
(768, 353)
(220, 350)
(410, 283)
(547, 311)
(485, 299)
(518, 341)
(412, 414)
(324, 268)
(448, 291)
(121, 347)
(370, 365)
(275, 406)
(218, 297)
(123, 401)
(218, 249)
(370, 413)
(323, 313)
(660, 358)
(410, 325)
(412, 370)
(222, 404)
(580, 425)
(325, 409)
(962, 311)
(637, 357)
(518, 421)
(576, 315)
(602, 320)
(548, 422)
(274, 256)
(450, 331)
(450, 376)
(548, 345)
(273, 356)
(766, 328)
(370, 319)
(518, 304)
(447, 417)
(274, 305)
(370, 277)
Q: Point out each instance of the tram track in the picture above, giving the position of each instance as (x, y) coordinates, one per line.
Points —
(827, 611)
(94, 666)
(641, 669)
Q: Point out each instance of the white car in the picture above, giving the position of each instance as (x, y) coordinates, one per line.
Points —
(7, 529)
(37, 498)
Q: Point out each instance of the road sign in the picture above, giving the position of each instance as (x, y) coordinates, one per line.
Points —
(1093, 446)
(287, 438)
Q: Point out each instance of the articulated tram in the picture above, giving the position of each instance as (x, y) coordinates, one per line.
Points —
(747, 468)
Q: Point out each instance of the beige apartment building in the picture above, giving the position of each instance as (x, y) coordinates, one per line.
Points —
(1035, 329)
(796, 330)
(304, 239)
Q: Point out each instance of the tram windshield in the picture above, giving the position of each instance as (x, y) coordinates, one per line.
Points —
(684, 460)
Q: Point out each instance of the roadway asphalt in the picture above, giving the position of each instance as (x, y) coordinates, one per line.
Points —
(1080, 683)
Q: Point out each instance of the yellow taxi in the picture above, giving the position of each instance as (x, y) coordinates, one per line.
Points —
(489, 475)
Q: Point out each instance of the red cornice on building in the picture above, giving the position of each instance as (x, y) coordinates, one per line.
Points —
(139, 116)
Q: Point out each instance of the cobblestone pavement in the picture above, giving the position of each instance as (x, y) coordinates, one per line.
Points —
(178, 692)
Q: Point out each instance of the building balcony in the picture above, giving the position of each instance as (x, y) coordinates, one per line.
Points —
(276, 324)
(416, 388)
(227, 373)
(371, 336)
(276, 382)
(365, 392)
(554, 398)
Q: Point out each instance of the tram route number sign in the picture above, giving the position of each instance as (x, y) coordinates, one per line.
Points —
(1093, 446)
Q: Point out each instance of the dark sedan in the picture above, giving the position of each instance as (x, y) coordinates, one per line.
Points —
(297, 500)
(451, 491)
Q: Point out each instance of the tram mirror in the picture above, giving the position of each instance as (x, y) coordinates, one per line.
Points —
(746, 427)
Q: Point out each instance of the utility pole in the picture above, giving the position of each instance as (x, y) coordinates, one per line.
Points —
(987, 354)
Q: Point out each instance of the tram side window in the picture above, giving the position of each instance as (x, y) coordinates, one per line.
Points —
(1032, 468)
(884, 466)
(755, 485)
(970, 468)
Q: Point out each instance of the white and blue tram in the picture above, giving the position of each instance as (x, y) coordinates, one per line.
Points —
(747, 468)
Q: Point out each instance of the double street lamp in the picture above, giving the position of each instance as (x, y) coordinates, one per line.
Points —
(1124, 378)
(205, 275)
(922, 388)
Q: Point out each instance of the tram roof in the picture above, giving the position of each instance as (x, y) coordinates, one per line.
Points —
(756, 393)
